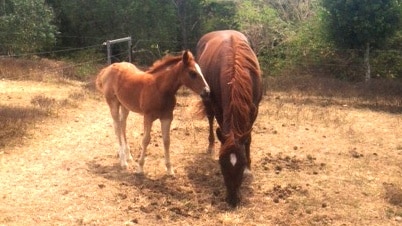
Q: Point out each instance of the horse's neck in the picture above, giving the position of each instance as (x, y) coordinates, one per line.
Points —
(168, 81)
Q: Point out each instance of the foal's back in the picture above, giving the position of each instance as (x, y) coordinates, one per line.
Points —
(116, 74)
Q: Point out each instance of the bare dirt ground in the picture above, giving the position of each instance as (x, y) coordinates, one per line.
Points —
(315, 162)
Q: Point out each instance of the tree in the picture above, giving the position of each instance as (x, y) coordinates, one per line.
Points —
(218, 15)
(188, 15)
(261, 24)
(294, 11)
(153, 24)
(362, 24)
(26, 26)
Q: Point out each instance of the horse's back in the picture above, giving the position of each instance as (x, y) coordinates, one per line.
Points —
(220, 51)
(223, 55)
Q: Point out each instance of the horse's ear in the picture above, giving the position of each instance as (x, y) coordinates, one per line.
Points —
(186, 57)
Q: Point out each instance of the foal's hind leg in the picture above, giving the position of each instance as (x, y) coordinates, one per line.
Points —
(145, 142)
(165, 127)
(114, 106)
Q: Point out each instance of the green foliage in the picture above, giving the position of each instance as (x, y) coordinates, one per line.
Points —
(92, 22)
(283, 34)
(304, 48)
(265, 30)
(188, 15)
(362, 25)
(261, 24)
(388, 62)
(356, 23)
(218, 15)
(26, 26)
(288, 36)
(82, 65)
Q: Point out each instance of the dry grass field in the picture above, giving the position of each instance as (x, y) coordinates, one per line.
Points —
(324, 152)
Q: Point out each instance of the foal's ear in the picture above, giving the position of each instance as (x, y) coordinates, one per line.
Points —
(186, 57)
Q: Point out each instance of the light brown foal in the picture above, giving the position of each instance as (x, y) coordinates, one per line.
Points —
(152, 94)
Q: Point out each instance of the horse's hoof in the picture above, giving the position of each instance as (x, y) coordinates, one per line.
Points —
(247, 172)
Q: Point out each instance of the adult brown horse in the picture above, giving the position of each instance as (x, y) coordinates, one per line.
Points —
(233, 73)
(151, 93)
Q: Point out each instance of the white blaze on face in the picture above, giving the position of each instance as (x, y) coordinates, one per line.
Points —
(233, 159)
(197, 67)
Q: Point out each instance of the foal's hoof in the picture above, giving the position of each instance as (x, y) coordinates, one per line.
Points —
(211, 152)
(130, 158)
(170, 172)
(124, 166)
(140, 170)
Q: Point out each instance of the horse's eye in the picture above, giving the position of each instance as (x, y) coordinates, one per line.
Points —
(193, 74)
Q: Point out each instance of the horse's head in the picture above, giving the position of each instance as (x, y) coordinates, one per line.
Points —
(192, 76)
(233, 162)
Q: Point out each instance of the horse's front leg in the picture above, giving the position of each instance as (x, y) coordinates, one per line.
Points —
(146, 139)
(211, 137)
(165, 127)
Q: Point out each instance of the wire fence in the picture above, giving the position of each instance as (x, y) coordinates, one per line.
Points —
(144, 52)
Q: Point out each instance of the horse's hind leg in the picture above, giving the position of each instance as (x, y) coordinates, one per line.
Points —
(145, 142)
(247, 144)
(165, 127)
(123, 120)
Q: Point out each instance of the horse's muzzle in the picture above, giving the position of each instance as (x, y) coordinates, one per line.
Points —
(233, 199)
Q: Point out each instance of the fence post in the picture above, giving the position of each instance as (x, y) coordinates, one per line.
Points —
(109, 53)
(108, 44)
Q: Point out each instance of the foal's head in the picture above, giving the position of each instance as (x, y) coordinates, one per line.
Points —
(192, 76)
(233, 162)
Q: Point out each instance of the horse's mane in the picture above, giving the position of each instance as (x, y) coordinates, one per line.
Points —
(242, 106)
(163, 63)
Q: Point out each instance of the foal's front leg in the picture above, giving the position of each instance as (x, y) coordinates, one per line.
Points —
(165, 127)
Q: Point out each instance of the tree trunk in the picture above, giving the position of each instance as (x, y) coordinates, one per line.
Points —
(182, 15)
(367, 62)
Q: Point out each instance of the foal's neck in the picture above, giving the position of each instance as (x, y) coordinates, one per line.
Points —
(168, 80)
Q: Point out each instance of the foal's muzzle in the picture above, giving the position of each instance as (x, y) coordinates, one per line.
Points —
(205, 92)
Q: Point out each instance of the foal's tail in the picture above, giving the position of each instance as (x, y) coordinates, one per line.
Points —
(203, 108)
(199, 110)
(99, 79)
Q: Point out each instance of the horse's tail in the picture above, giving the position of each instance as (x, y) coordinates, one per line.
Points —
(242, 107)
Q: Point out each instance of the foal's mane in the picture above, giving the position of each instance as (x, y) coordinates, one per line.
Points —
(163, 63)
(241, 107)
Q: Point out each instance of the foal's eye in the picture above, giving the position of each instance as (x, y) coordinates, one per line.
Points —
(193, 74)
